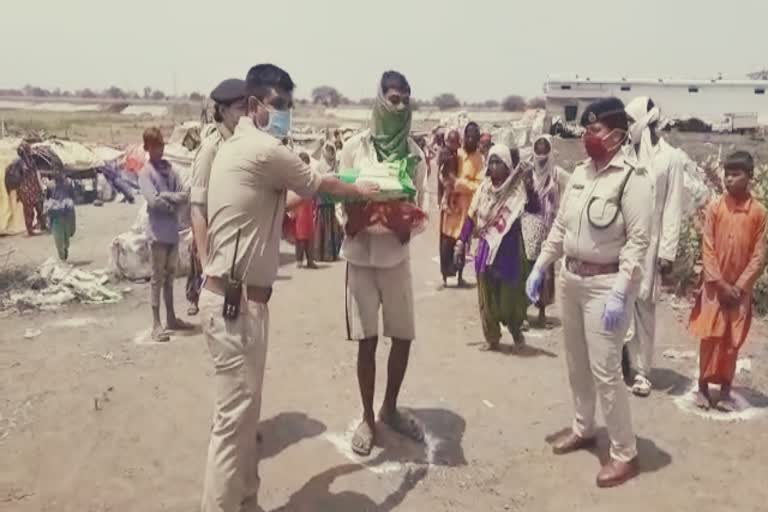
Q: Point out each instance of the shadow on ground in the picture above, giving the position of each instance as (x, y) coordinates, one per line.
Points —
(443, 447)
(670, 381)
(650, 457)
(552, 323)
(287, 258)
(755, 398)
(286, 429)
(524, 351)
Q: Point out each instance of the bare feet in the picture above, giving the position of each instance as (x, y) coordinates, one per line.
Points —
(179, 325)
(402, 422)
(727, 405)
(192, 310)
(701, 401)
(518, 337)
(159, 335)
(362, 440)
(490, 347)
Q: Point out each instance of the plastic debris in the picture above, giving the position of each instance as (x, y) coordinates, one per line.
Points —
(64, 284)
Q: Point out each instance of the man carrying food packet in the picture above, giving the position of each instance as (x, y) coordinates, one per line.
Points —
(376, 248)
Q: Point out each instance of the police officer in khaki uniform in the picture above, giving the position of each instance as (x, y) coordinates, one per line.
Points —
(246, 203)
(603, 230)
(229, 106)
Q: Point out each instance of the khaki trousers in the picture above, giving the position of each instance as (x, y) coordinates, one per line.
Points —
(641, 337)
(238, 349)
(593, 357)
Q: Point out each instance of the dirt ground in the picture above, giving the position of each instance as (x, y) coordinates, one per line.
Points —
(92, 421)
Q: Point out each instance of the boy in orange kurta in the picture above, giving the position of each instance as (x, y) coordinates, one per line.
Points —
(734, 254)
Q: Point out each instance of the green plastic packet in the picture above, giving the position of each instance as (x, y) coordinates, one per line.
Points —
(394, 179)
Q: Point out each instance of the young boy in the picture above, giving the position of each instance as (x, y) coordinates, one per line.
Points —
(733, 253)
(162, 189)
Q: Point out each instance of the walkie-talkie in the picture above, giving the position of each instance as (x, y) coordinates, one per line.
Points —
(233, 291)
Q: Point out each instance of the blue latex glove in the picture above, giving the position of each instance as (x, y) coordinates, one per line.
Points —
(533, 285)
(613, 313)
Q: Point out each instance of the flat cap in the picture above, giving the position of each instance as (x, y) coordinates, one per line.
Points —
(608, 109)
(229, 91)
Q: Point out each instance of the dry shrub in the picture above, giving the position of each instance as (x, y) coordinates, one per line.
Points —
(513, 103)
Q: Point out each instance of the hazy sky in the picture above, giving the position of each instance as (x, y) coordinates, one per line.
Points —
(477, 49)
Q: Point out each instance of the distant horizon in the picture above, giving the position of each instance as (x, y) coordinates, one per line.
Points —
(100, 92)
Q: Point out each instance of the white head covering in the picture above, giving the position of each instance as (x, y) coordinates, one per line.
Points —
(503, 152)
(639, 133)
(491, 204)
(545, 182)
(541, 171)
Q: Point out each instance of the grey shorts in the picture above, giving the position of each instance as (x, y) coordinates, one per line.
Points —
(389, 290)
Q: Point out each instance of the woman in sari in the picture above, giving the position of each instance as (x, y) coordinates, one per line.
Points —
(500, 262)
(549, 182)
(328, 231)
(470, 166)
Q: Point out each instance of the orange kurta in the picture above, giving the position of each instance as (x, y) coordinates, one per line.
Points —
(470, 175)
(733, 251)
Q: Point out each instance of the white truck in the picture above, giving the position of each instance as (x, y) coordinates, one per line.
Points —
(739, 122)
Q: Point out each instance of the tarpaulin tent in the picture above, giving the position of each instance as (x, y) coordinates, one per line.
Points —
(74, 156)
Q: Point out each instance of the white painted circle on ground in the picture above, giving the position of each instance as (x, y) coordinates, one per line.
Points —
(745, 410)
(342, 441)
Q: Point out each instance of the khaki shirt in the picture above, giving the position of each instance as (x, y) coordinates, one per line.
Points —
(247, 190)
(379, 250)
(201, 165)
(625, 241)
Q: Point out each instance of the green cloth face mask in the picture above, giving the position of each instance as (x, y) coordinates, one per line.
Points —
(390, 126)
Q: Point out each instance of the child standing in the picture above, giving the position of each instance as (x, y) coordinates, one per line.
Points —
(304, 226)
(60, 208)
(162, 189)
(734, 254)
